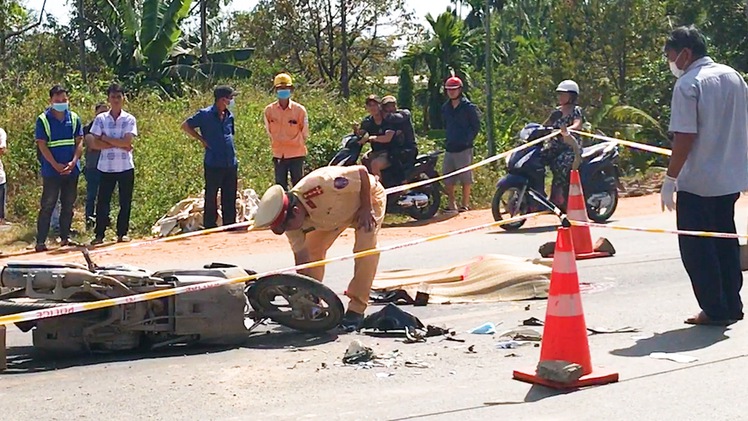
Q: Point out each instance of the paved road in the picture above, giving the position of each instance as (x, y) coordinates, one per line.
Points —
(644, 286)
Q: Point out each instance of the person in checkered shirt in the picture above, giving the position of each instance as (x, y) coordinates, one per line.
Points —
(114, 132)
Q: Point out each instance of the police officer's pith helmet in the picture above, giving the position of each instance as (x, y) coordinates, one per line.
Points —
(272, 209)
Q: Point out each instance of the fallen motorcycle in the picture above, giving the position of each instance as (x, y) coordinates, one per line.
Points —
(216, 316)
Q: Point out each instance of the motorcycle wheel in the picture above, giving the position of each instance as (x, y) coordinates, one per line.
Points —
(602, 215)
(296, 301)
(510, 206)
(428, 211)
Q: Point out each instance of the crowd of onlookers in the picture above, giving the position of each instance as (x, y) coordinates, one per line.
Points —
(102, 151)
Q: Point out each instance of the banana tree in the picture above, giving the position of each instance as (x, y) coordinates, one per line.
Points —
(142, 41)
(447, 51)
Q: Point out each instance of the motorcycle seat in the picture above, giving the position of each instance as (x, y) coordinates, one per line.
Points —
(425, 157)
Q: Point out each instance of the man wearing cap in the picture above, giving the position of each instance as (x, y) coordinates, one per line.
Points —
(59, 139)
(316, 211)
(287, 124)
(462, 125)
(220, 166)
(380, 137)
(404, 150)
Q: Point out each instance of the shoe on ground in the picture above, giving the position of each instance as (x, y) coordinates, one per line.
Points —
(41, 247)
(98, 240)
(463, 209)
(351, 321)
(449, 211)
(123, 239)
(67, 242)
(90, 223)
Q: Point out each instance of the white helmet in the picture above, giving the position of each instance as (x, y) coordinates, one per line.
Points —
(568, 86)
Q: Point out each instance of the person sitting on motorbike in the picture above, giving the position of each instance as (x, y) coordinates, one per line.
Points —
(380, 136)
(559, 152)
(403, 148)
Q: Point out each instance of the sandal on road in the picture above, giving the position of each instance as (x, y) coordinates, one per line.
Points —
(704, 320)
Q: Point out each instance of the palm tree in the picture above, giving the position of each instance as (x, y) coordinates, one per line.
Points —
(446, 52)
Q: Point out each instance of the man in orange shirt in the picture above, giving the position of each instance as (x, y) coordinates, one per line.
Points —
(287, 125)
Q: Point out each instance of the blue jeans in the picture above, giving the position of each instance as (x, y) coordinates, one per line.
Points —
(93, 178)
(2, 201)
(713, 264)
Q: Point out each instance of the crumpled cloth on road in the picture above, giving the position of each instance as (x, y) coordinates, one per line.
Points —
(187, 215)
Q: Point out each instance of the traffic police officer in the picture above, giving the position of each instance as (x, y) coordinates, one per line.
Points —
(316, 211)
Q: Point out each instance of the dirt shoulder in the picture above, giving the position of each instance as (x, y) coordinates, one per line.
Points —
(145, 253)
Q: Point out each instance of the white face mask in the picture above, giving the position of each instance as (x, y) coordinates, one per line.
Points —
(674, 68)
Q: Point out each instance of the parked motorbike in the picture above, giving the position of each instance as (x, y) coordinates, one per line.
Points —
(420, 203)
(526, 172)
(219, 316)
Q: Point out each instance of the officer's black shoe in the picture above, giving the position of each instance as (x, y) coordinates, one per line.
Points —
(351, 321)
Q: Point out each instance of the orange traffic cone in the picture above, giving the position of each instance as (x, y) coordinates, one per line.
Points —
(565, 331)
(576, 210)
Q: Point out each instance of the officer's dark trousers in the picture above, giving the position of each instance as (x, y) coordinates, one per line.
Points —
(713, 264)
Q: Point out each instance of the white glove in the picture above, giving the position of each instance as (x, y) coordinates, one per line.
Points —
(667, 194)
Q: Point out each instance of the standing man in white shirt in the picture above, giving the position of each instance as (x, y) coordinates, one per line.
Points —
(708, 168)
(114, 132)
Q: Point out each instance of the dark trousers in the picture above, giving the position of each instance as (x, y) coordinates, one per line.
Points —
(284, 166)
(713, 264)
(125, 182)
(64, 189)
(2, 201)
(93, 178)
(225, 179)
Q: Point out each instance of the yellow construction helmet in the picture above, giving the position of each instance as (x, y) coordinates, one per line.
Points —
(282, 79)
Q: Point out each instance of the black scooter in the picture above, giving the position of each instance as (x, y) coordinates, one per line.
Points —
(598, 172)
(420, 203)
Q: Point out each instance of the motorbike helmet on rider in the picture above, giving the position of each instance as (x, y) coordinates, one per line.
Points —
(558, 155)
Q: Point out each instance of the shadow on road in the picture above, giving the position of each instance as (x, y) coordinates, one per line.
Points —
(27, 359)
(411, 224)
(679, 340)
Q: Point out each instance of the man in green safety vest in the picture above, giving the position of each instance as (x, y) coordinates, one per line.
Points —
(59, 137)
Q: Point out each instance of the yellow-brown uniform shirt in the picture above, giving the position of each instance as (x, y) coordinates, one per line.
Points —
(331, 197)
(288, 129)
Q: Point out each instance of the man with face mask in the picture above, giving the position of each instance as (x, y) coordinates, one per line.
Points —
(287, 125)
(59, 138)
(216, 124)
(708, 169)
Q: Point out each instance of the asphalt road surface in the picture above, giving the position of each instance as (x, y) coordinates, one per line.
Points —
(285, 375)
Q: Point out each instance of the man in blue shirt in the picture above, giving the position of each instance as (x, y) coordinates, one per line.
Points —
(216, 124)
(462, 125)
(59, 138)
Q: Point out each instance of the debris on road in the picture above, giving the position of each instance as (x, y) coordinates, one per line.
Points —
(532, 321)
(511, 344)
(522, 334)
(384, 375)
(471, 350)
(603, 330)
(559, 371)
(487, 328)
(357, 353)
(390, 319)
(678, 358)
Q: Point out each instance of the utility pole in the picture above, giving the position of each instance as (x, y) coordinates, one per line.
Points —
(82, 36)
(489, 80)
